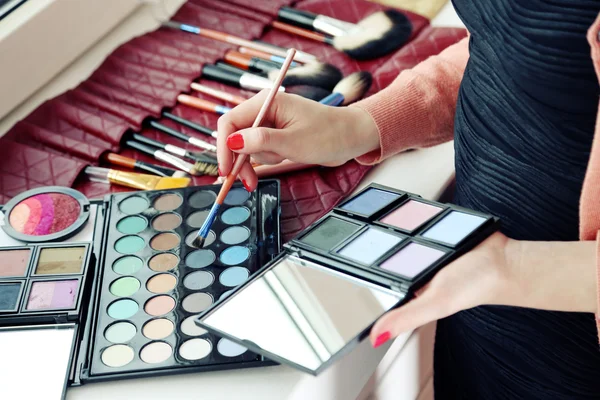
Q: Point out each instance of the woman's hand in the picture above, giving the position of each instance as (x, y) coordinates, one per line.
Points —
(296, 129)
(558, 276)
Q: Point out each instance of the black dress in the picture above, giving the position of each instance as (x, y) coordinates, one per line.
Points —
(523, 132)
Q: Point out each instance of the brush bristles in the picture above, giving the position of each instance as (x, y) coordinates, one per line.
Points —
(205, 229)
(354, 86)
(377, 35)
(203, 168)
(308, 92)
(180, 174)
(321, 75)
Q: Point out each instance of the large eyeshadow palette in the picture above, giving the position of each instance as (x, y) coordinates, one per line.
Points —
(153, 282)
(320, 297)
(37, 283)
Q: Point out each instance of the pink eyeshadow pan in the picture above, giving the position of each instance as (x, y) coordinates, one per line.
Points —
(14, 262)
(413, 259)
(411, 215)
(48, 295)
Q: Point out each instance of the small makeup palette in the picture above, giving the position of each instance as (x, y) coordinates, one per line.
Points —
(320, 297)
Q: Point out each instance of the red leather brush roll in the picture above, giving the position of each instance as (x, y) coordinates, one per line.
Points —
(56, 141)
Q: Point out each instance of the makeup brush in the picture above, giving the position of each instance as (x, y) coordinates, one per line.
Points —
(277, 50)
(192, 125)
(318, 22)
(122, 161)
(135, 180)
(217, 94)
(163, 156)
(350, 89)
(250, 63)
(201, 104)
(236, 77)
(202, 163)
(224, 37)
(241, 158)
(309, 92)
(375, 36)
(265, 56)
(182, 136)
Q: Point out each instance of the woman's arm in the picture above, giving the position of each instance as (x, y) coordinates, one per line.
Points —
(417, 109)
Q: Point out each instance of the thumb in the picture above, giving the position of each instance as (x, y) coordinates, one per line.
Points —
(255, 140)
(426, 307)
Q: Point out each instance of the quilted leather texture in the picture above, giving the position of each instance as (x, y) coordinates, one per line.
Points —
(139, 79)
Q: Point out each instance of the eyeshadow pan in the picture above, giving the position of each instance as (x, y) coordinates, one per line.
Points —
(168, 202)
(14, 262)
(117, 355)
(127, 265)
(161, 283)
(370, 201)
(369, 246)
(411, 215)
(210, 239)
(159, 305)
(166, 221)
(9, 295)
(413, 259)
(329, 233)
(64, 260)
(156, 352)
(158, 328)
(235, 215)
(200, 258)
(195, 220)
(132, 225)
(47, 295)
(120, 332)
(195, 349)
(454, 227)
(234, 255)
(228, 348)
(124, 287)
(235, 235)
(129, 244)
(44, 214)
(197, 302)
(234, 276)
(236, 196)
(189, 327)
(198, 280)
(165, 241)
(122, 309)
(202, 199)
(134, 205)
(163, 262)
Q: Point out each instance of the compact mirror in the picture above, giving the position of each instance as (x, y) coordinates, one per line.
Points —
(300, 313)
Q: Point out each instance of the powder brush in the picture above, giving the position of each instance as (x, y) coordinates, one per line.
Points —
(321, 23)
(350, 89)
(241, 158)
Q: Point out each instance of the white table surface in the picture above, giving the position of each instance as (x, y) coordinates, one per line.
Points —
(426, 172)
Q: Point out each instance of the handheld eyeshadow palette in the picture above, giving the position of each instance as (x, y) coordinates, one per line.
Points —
(121, 304)
(320, 297)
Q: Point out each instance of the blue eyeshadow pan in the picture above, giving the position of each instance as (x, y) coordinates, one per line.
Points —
(370, 201)
(369, 246)
(454, 227)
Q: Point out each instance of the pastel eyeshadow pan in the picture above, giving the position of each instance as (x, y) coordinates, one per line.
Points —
(369, 246)
(132, 225)
(370, 201)
(9, 295)
(49, 295)
(166, 222)
(210, 239)
(14, 262)
(129, 244)
(64, 260)
(234, 255)
(454, 227)
(202, 199)
(236, 196)
(412, 260)
(134, 205)
(168, 202)
(235, 215)
(329, 233)
(411, 215)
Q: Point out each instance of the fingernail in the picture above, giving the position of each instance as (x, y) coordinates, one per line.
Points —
(235, 142)
(381, 339)
(246, 185)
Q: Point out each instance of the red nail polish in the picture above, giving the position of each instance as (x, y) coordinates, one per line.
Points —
(246, 185)
(235, 142)
(219, 170)
(381, 339)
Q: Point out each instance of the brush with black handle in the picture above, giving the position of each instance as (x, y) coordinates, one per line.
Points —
(164, 157)
(321, 23)
(182, 136)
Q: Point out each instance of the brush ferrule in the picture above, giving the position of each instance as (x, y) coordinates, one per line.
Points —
(189, 28)
(175, 150)
(202, 144)
(334, 99)
(176, 162)
(205, 229)
(256, 83)
(332, 26)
